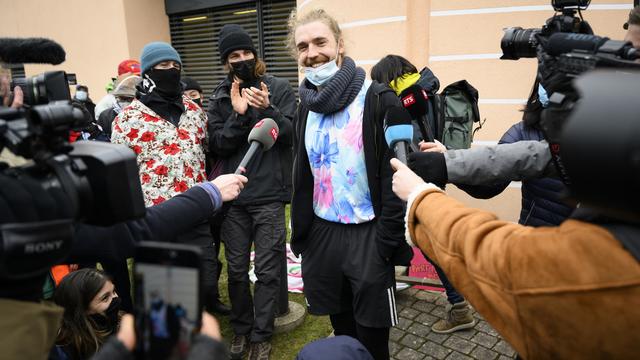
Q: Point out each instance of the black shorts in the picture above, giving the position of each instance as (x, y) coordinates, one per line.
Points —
(342, 272)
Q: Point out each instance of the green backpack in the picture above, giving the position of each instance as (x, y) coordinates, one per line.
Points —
(456, 109)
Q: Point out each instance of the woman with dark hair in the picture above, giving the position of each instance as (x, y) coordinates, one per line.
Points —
(399, 73)
(91, 308)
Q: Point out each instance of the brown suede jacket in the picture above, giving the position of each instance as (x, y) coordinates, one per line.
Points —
(566, 292)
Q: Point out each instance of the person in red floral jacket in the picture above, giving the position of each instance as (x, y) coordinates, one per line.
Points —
(167, 131)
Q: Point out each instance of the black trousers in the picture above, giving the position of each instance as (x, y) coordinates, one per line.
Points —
(264, 227)
(376, 340)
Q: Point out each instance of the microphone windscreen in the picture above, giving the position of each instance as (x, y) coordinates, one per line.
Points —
(414, 99)
(265, 132)
(397, 125)
(31, 50)
(562, 43)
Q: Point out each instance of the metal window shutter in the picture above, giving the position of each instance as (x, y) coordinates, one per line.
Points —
(195, 36)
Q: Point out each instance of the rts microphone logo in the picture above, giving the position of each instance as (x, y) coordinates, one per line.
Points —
(408, 100)
(274, 133)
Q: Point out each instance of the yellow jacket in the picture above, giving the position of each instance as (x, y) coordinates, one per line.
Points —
(566, 292)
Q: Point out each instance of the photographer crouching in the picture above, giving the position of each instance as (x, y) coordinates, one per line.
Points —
(553, 292)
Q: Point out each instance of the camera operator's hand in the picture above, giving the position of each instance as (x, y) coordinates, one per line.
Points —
(430, 166)
(127, 332)
(5, 93)
(229, 185)
(404, 180)
(435, 146)
(210, 326)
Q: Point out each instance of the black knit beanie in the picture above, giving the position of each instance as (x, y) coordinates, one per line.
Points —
(233, 37)
(190, 84)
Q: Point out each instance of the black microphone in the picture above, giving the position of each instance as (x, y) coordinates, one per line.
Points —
(562, 43)
(263, 135)
(415, 100)
(31, 50)
(398, 131)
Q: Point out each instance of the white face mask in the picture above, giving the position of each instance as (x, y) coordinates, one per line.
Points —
(322, 74)
(81, 95)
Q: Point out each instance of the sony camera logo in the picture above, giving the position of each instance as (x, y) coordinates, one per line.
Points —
(42, 247)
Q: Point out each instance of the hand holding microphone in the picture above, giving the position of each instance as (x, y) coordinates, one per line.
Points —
(263, 135)
(398, 131)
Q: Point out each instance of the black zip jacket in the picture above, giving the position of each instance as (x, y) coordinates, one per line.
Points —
(388, 208)
(269, 172)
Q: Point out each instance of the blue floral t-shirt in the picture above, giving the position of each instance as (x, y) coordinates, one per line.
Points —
(334, 146)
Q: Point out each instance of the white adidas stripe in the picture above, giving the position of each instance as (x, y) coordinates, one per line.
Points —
(393, 313)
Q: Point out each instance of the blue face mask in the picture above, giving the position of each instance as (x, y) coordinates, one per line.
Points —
(323, 73)
(81, 95)
(542, 96)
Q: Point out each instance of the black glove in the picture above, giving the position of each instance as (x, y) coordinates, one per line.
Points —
(430, 166)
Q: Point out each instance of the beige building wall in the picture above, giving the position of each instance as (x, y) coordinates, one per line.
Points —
(460, 39)
(96, 34)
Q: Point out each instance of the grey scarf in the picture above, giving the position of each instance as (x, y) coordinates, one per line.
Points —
(337, 93)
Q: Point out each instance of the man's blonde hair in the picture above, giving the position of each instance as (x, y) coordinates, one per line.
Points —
(296, 20)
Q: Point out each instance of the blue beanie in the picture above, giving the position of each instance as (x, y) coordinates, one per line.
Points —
(157, 52)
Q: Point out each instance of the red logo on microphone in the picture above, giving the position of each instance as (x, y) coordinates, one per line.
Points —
(408, 100)
(274, 133)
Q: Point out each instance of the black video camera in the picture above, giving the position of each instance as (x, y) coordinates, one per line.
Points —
(99, 181)
(518, 42)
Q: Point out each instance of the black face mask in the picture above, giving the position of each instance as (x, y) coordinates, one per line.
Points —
(244, 70)
(198, 101)
(108, 320)
(165, 83)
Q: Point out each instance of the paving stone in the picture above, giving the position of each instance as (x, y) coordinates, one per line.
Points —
(427, 296)
(439, 311)
(403, 323)
(411, 291)
(423, 306)
(481, 353)
(394, 347)
(504, 348)
(459, 344)
(418, 329)
(395, 334)
(485, 340)
(436, 350)
(438, 338)
(409, 313)
(412, 341)
(465, 334)
(409, 354)
(485, 327)
(403, 299)
(503, 357)
(442, 301)
(426, 319)
(457, 356)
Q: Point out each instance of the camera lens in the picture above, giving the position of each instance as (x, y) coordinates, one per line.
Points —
(57, 117)
(518, 43)
(34, 89)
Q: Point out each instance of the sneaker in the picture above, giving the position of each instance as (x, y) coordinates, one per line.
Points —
(458, 318)
(260, 351)
(239, 346)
